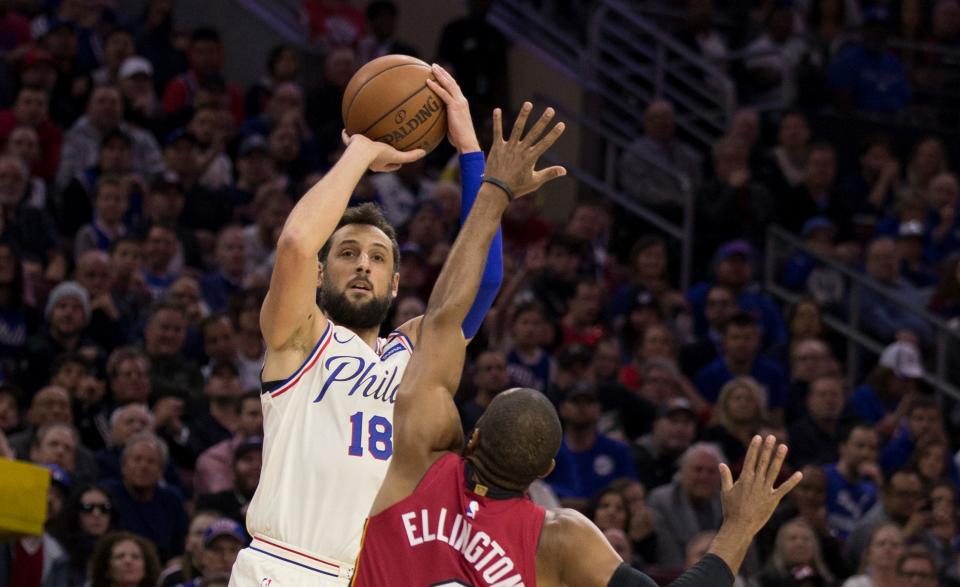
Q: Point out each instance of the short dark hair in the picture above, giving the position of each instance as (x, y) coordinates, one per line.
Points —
(888, 477)
(378, 7)
(527, 307)
(922, 402)
(917, 551)
(212, 82)
(33, 88)
(876, 140)
(9, 389)
(212, 319)
(68, 358)
(126, 238)
(370, 215)
(223, 369)
(823, 146)
(247, 396)
(276, 53)
(164, 304)
(571, 244)
(205, 33)
(741, 320)
(110, 180)
(847, 431)
(643, 243)
(116, 135)
(121, 355)
(519, 436)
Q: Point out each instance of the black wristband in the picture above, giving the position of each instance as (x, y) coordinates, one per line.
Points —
(627, 576)
(503, 186)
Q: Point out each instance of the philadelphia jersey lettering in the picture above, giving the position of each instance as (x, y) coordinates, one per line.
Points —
(328, 438)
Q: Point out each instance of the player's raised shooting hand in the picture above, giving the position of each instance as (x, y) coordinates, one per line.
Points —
(750, 501)
(460, 130)
(382, 156)
(512, 161)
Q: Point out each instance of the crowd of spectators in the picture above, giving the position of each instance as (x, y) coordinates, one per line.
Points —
(142, 194)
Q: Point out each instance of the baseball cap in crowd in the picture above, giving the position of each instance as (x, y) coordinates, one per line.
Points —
(35, 57)
(903, 358)
(249, 444)
(806, 575)
(180, 134)
(644, 299)
(165, 179)
(911, 228)
(255, 143)
(224, 527)
(58, 476)
(411, 250)
(676, 405)
(574, 355)
(875, 15)
(43, 26)
(816, 223)
(580, 389)
(734, 248)
(135, 65)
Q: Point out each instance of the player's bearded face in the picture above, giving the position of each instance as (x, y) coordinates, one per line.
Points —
(365, 313)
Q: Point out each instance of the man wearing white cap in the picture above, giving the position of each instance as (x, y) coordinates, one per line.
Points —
(141, 106)
(879, 401)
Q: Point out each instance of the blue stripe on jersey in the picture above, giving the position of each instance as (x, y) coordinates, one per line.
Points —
(286, 560)
(277, 384)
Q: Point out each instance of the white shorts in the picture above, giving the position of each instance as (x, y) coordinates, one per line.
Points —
(271, 563)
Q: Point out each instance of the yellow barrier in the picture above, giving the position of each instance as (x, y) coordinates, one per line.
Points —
(23, 499)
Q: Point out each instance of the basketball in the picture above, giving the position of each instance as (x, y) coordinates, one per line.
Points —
(388, 100)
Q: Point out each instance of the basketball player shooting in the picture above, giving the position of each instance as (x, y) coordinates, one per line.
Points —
(329, 382)
(446, 520)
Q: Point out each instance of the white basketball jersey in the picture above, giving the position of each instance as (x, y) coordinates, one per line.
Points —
(328, 438)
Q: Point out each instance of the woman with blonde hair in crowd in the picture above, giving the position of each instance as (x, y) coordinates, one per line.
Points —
(796, 556)
(879, 565)
(740, 409)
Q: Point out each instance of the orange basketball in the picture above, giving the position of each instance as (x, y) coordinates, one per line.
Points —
(388, 100)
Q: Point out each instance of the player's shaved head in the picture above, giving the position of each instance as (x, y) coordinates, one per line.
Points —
(519, 435)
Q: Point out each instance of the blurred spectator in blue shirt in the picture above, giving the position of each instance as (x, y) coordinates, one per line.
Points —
(739, 356)
(588, 461)
(853, 480)
(866, 76)
(733, 267)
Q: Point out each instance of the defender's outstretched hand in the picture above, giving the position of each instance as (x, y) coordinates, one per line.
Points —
(512, 161)
(382, 156)
(751, 500)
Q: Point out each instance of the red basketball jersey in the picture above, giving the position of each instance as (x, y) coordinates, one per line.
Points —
(450, 533)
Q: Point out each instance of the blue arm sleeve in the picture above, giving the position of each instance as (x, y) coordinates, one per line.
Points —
(471, 172)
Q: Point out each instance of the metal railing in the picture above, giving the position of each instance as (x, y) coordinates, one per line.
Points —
(626, 61)
(622, 62)
(286, 18)
(781, 244)
(631, 61)
(607, 184)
